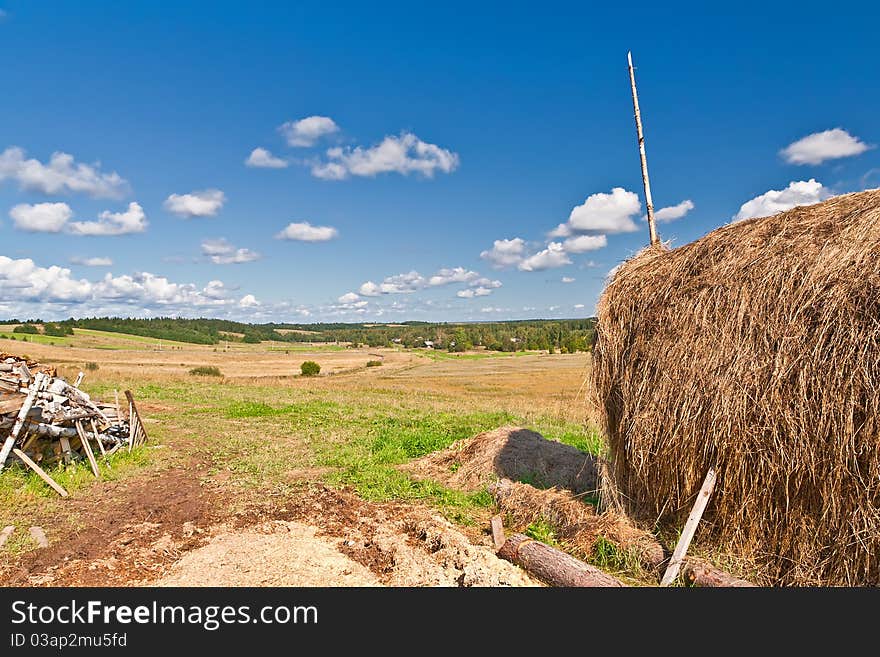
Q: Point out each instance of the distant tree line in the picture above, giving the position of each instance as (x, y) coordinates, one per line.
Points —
(555, 335)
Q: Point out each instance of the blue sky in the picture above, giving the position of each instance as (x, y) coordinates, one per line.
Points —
(451, 141)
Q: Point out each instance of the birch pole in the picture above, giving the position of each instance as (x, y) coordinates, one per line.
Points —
(645, 181)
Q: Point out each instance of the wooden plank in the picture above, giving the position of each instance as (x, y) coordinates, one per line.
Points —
(97, 437)
(39, 536)
(130, 425)
(118, 412)
(79, 379)
(498, 532)
(88, 449)
(12, 404)
(33, 466)
(6, 533)
(19, 420)
(690, 528)
(65, 449)
(130, 398)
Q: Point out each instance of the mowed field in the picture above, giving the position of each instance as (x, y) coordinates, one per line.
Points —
(261, 444)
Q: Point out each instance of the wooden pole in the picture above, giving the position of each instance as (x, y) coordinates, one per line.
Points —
(33, 466)
(88, 449)
(690, 528)
(645, 181)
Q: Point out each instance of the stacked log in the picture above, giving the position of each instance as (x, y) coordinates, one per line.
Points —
(44, 420)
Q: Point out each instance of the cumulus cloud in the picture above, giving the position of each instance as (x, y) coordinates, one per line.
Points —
(472, 292)
(305, 232)
(457, 275)
(204, 203)
(248, 301)
(398, 284)
(606, 213)
(41, 217)
(221, 252)
(562, 230)
(307, 131)
(584, 243)
(260, 158)
(133, 220)
(61, 175)
(92, 262)
(553, 256)
(579, 306)
(404, 154)
(505, 253)
(673, 212)
(802, 192)
(485, 282)
(349, 297)
(822, 146)
(567, 279)
(24, 281)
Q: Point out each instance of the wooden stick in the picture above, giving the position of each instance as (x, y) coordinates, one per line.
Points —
(645, 181)
(79, 379)
(118, 411)
(498, 532)
(142, 433)
(19, 420)
(65, 449)
(88, 450)
(130, 425)
(95, 433)
(690, 528)
(33, 466)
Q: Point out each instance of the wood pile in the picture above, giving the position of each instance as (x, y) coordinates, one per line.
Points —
(46, 421)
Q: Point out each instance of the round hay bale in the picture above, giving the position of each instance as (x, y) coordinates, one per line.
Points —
(755, 349)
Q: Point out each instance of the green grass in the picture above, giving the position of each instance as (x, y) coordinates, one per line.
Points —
(542, 530)
(612, 558)
(206, 370)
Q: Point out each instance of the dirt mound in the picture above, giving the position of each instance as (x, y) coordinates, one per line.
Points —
(403, 545)
(510, 453)
(273, 554)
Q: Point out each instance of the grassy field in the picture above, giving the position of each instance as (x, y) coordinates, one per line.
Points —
(265, 431)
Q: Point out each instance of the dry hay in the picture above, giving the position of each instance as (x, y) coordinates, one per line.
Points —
(575, 523)
(755, 349)
(512, 453)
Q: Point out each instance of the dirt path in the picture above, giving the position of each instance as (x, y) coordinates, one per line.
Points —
(170, 528)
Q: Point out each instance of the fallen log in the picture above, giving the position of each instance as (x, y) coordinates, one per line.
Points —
(553, 566)
(697, 572)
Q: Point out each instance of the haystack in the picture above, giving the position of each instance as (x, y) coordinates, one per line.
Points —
(756, 350)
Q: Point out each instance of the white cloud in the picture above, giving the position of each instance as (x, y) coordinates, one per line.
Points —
(349, 297)
(92, 262)
(24, 281)
(606, 213)
(673, 212)
(578, 306)
(821, 146)
(802, 192)
(307, 131)
(404, 154)
(305, 232)
(248, 301)
(41, 217)
(584, 243)
(221, 252)
(562, 230)
(61, 175)
(457, 275)
(553, 256)
(567, 279)
(485, 282)
(260, 158)
(505, 253)
(471, 292)
(401, 284)
(204, 203)
(491, 309)
(133, 220)
(370, 289)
